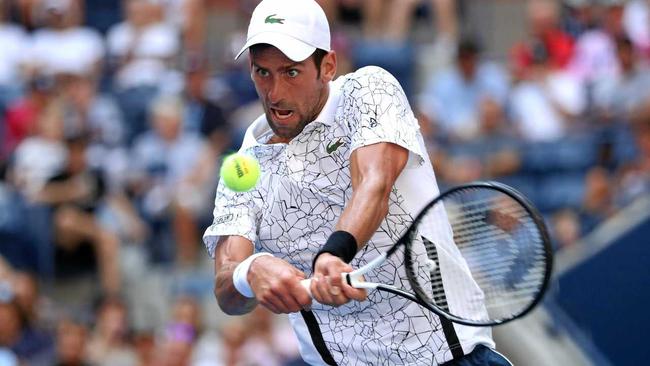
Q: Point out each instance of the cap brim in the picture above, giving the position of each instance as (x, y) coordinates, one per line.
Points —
(292, 48)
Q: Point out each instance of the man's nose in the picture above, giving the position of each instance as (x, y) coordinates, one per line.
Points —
(275, 92)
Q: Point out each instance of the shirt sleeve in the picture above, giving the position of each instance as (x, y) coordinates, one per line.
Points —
(377, 110)
(234, 214)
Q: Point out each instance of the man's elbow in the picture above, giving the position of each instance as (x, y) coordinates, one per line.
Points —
(234, 305)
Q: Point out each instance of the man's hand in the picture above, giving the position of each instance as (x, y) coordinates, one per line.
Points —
(276, 285)
(327, 284)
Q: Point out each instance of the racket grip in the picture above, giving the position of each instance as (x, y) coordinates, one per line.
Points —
(306, 283)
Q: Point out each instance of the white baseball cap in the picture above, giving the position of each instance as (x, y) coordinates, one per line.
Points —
(295, 27)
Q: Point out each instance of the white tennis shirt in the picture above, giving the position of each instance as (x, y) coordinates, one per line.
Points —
(303, 189)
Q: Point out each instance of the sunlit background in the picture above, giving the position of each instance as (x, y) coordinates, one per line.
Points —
(115, 114)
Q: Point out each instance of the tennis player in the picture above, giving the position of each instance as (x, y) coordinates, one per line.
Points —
(344, 171)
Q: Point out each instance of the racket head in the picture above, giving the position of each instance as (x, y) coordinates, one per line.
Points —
(503, 242)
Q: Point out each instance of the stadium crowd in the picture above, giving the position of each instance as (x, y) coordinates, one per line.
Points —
(114, 116)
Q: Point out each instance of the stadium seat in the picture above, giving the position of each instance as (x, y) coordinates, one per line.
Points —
(560, 190)
(570, 154)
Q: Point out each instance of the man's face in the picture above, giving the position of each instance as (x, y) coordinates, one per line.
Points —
(292, 93)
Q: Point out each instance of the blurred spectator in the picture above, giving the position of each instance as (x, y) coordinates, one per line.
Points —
(29, 299)
(22, 115)
(567, 231)
(580, 16)
(144, 344)
(544, 32)
(634, 178)
(186, 316)
(99, 117)
(42, 155)
(545, 103)
(188, 16)
(598, 202)
(30, 346)
(175, 347)
(387, 19)
(594, 57)
(7, 358)
(267, 343)
(16, 244)
(109, 343)
(71, 344)
(493, 153)
(452, 97)
(636, 21)
(174, 174)
(63, 45)
(386, 39)
(446, 36)
(13, 47)
(75, 194)
(234, 335)
(142, 48)
(203, 112)
(620, 97)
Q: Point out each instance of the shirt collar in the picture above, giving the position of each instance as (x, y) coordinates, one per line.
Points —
(328, 112)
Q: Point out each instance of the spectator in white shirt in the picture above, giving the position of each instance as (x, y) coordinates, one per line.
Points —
(546, 101)
(13, 45)
(63, 46)
(38, 158)
(452, 98)
(636, 21)
(174, 173)
(142, 49)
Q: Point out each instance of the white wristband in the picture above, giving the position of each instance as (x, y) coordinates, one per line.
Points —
(240, 275)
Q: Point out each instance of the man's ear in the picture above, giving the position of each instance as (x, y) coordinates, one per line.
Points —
(328, 67)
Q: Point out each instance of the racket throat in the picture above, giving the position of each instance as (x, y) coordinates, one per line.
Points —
(356, 278)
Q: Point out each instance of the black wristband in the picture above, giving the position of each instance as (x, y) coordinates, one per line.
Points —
(341, 244)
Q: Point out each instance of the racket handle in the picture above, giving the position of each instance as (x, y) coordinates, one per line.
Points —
(306, 283)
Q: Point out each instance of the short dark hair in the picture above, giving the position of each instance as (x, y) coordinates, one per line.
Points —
(318, 57)
(468, 47)
(624, 43)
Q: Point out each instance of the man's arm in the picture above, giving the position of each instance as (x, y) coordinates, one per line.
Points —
(230, 251)
(374, 170)
(275, 283)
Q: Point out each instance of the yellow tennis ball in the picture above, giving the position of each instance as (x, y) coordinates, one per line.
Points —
(240, 172)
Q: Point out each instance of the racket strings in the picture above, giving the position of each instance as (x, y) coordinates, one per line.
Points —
(501, 247)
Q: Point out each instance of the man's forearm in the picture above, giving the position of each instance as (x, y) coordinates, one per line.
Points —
(364, 213)
(374, 170)
(229, 299)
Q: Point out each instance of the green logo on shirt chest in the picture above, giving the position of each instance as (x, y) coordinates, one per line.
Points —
(334, 146)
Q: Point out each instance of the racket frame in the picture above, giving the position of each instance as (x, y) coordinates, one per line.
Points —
(421, 295)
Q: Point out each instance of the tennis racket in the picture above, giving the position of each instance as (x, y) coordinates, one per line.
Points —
(488, 245)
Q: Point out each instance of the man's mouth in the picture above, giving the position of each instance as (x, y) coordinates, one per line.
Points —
(281, 114)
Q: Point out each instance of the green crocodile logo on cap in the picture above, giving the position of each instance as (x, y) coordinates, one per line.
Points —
(271, 20)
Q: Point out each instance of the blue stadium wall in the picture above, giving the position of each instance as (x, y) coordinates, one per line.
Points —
(605, 300)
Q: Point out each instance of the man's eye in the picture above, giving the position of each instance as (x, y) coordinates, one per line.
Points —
(292, 73)
(262, 72)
